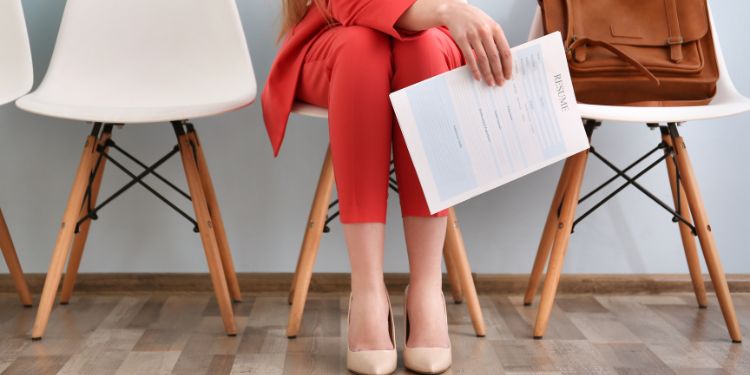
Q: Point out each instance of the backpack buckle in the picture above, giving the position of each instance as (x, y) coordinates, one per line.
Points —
(675, 40)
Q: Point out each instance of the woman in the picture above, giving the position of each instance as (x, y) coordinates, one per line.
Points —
(347, 56)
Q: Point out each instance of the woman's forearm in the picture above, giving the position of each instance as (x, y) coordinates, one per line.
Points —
(424, 14)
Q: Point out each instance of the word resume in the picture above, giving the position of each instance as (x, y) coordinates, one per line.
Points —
(466, 137)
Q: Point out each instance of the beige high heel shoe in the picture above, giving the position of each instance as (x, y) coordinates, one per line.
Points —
(373, 362)
(424, 360)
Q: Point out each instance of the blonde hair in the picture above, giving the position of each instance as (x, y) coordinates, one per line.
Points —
(294, 10)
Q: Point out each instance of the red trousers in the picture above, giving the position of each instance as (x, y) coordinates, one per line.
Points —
(351, 70)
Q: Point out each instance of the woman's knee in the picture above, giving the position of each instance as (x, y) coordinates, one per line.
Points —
(420, 58)
(363, 48)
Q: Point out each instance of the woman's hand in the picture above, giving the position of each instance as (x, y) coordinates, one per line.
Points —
(481, 40)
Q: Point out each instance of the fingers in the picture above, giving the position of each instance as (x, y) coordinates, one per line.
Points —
(503, 48)
(471, 60)
(482, 59)
(493, 55)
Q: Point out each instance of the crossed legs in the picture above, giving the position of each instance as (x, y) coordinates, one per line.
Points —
(351, 71)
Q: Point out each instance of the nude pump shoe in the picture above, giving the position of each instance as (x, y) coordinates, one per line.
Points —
(373, 362)
(434, 360)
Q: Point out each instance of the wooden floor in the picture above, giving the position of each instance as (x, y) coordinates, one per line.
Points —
(182, 334)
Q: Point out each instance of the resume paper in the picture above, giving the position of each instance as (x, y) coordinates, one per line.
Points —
(466, 137)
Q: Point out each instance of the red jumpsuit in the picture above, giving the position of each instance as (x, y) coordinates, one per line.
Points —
(350, 68)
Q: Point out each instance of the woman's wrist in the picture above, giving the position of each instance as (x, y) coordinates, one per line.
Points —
(444, 10)
(425, 14)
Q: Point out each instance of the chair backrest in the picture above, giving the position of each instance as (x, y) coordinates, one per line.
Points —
(16, 71)
(149, 53)
(724, 87)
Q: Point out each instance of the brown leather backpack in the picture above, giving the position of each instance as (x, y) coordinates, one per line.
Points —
(637, 52)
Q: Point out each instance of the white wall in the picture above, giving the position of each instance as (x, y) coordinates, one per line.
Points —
(265, 201)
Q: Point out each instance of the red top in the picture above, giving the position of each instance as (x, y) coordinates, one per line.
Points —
(278, 95)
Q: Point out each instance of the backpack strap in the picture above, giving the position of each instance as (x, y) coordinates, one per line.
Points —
(620, 53)
(675, 39)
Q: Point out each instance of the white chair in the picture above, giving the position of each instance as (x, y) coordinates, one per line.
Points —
(16, 79)
(561, 219)
(144, 61)
(454, 252)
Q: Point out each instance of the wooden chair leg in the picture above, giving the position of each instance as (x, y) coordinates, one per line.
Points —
(705, 235)
(310, 245)
(454, 242)
(453, 279)
(64, 237)
(560, 244)
(206, 227)
(14, 266)
(79, 242)
(548, 235)
(218, 221)
(290, 298)
(688, 241)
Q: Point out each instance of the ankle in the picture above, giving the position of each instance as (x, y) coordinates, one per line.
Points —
(429, 286)
(368, 286)
(427, 317)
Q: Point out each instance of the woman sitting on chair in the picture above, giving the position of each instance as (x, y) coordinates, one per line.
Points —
(347, 56)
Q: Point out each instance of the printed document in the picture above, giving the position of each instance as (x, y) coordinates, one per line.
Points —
(466, 137)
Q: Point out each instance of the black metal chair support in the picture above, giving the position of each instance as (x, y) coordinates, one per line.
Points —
(623, 173)
(92, 213)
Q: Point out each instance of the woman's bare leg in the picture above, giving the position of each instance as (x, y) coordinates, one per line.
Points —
(348, 70)
(368, 325)
(426, 307)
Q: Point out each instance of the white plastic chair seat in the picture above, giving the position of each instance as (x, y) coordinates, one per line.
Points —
(36, 103)
(310, 110)
(716, 109)
(140, 61)
(16, 73)
(727, 102)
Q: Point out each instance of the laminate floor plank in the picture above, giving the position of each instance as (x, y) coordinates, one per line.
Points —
(560, 327)
(148, 363)
(602, 328)
(524, 356)
(103, 351)
(259, 363)
(31, 365)
(632, 358)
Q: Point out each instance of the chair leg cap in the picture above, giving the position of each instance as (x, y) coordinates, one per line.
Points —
(702, 306)
(231, 334)
(527, 303)
(737, 341)
(28, 306)
(36, 338)
(458, 302)
(538, 337)
(64, 303)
